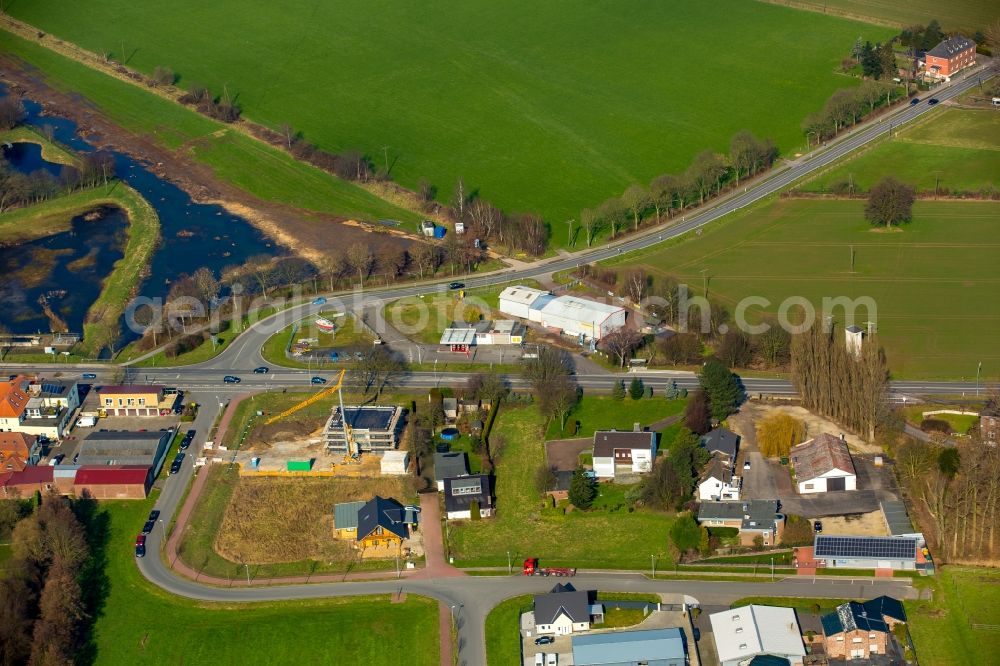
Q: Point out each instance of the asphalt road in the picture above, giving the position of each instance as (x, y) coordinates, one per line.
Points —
(471, 598)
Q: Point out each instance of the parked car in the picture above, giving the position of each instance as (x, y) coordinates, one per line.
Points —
(175, 468)
(319, 301)
(544, 640)
(318, 380)
(231, 379)
(262, 370)
(140, 546)
(914, 101)
(817, 526)
(148, 527)
(154, 514)
(88, 375)
(932, 101)
(746, 464)
(185, 443)
(456, 285)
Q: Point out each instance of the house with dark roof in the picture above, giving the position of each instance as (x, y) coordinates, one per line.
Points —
(950, 56)
(378, 527)
(466, 494)
(822, 464)
(717, 481)
(449, 465)
(753, 518)
(125, 447)
(722, 441)
(860, 630)
(627, 452)
(565, 610)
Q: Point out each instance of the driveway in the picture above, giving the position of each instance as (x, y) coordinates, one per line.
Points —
(564, 454)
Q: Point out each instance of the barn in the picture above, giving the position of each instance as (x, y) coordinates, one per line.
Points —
(823, 464)
(580, 316)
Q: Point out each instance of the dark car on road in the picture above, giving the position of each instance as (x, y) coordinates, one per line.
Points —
(932, 101)
(175, 466)
(914, 101)
(88, 375)
(318, 380)
(154, 514)
(231, 379)
(544, 640)
(140, 546)
(148, 527)
(262, 370)
(456, 285)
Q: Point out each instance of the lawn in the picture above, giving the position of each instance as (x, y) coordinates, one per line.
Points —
(950, 150)
(942, 629)
(601, 412)
(347, 334)
(140, 623)
(503, 636)
(969, 15)
(261, 170)
(934, 282)
(960, 423)
(524, 530)
(423, 319)
(549, 114)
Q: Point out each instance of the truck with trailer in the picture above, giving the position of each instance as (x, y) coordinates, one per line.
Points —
(531, 568)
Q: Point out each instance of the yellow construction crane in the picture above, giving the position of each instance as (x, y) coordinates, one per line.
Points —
(351, 451)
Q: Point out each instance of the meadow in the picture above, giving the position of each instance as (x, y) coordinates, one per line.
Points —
(956, 150)
(968, 15)
(545, 107)
(523, 528)
(261, 170)
(139, 623)
(934, 282)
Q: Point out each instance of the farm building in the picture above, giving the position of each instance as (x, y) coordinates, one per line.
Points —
(950, 56)
(517, 301)
(859, 630)
(449, 465)
(565, 610)
(145, 449)
(893, 553)
(113, 481)
(749, 631)
(460, 494)
(722, 441)
(135, 400)
(617, 453)
(373, 428)
(753, 518)
(662, 647)
(823, 464)
(394, 463)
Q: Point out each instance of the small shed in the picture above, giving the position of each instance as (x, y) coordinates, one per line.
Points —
(394, 463)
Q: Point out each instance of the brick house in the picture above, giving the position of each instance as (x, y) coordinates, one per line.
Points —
(989, 423)
(858, 630)
(950, 56)
(113, 481)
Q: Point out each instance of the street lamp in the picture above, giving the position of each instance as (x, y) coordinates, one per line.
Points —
(772, 569)
(247, 567)
(978, 370)
(652, 562)
(510, 567)
(163, 529)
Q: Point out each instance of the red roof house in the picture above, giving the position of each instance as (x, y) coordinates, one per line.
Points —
(25, 482)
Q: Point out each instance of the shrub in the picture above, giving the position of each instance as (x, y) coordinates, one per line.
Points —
(778, 433)
(936, 425)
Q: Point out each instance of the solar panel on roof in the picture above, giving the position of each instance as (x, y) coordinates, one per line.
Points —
(866, 547)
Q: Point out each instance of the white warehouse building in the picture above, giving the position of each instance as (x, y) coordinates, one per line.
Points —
(567, 314)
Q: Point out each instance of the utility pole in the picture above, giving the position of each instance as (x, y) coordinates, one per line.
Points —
(852, 258)
(385, 151)
(772, 569)
(704, 283)
(247, 567)
(569, 236)
(978, 370)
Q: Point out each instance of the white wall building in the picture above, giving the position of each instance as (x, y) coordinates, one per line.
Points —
(822, 464)
(743, 633)
(517, 300)
(718, 482)
(623, 452)
(578, 316)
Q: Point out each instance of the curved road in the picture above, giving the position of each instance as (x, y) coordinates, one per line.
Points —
(472, 597)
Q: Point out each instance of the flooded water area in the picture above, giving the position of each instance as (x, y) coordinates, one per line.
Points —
(72, 265)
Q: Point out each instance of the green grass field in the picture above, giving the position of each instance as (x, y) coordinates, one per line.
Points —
(969, 15)
(601, 412)
(934, 283)
(942, 630)
(525, 530)
(955, 150)
(545, 107)
(259, 169)
(142, 624)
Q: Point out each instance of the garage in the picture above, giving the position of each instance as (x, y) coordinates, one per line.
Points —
(839, 483)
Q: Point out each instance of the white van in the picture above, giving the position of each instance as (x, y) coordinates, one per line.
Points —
(552, 659)
(539, 659)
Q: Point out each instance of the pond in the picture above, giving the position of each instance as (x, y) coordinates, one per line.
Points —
(27, 158)
(50, 282)
(193, 235)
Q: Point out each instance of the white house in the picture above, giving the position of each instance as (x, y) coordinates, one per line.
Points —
(746, 632)
(718, 482)
(565, 610)
(623, 453)
(822, 464)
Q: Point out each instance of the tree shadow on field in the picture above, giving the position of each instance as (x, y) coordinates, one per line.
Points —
(94, 582)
